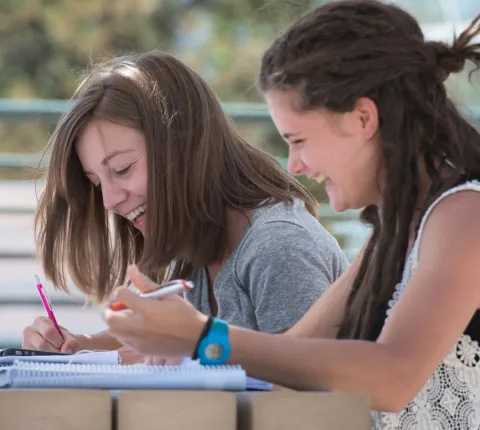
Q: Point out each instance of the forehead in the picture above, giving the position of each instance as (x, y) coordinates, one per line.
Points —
(100, 138)
(280, 102)
(281, 106)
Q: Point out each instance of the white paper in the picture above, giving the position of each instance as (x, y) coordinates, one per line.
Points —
(100, 357)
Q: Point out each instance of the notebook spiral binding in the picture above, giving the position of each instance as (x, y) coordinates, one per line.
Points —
(26, 367)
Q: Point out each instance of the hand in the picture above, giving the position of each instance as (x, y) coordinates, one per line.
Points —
(169, 327)
(153, 360)
(129, 356)
(43, 336)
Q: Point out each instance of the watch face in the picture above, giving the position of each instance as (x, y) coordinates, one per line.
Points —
(214, 351)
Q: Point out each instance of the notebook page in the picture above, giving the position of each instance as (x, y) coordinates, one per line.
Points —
(94, 357)
(258, 385)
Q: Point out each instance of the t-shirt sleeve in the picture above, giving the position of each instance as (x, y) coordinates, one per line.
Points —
(285, 269)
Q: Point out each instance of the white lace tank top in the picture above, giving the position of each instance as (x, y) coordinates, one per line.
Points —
(450, 400)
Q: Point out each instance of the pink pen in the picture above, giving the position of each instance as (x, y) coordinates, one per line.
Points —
(47, 305)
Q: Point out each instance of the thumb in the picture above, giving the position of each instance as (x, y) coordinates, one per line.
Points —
(71, 345)
(140, 281)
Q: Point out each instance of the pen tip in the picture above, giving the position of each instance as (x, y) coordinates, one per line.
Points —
(37, 278)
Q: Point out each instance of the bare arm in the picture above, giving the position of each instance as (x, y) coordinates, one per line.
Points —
(98, 341)
(42, 335)
(426, 322)
(431, 314)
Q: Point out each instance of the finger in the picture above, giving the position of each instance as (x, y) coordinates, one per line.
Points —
(48, 331)
(132, 300)
(70, 346)
(29, 335)
(123, 326)
(174, 361)
(129, 356)
(151, 360)
(37, 342)
(140, 281)
(120, 322)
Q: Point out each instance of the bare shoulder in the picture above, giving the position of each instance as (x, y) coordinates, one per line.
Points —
(462, 201)
(455, 216)
(450, 244)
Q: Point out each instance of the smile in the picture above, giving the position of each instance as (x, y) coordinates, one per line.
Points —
(320, 178)
(136, 213)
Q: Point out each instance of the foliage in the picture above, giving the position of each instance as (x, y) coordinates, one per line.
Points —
(45, 45)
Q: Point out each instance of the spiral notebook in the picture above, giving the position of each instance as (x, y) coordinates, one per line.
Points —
(24, 374)
(90, 357)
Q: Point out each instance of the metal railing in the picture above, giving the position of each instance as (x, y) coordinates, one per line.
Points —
(45, 110)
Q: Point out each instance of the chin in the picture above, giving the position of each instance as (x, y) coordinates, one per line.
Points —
(339, 209)
(339, 205)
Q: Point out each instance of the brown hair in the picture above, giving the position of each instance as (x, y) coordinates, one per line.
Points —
(345, 50)
(198, 165)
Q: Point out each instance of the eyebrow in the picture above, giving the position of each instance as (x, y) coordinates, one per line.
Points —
(109, 157)
(114, 154)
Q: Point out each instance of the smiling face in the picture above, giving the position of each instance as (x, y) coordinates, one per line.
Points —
(113, 157)
(340, 149)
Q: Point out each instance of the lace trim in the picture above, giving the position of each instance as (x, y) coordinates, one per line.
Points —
(450, 400)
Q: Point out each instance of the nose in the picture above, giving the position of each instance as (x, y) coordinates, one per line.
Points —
(295, 165)
(112, 195)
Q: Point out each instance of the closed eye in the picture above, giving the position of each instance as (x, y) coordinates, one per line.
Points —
(297, 141)
(123, 171)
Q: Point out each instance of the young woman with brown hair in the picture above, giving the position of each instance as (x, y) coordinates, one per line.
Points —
(146, 168)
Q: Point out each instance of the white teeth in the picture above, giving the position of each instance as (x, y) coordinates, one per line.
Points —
(132, 215)
(320, 178)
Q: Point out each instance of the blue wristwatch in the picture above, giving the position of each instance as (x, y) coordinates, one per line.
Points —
(213, 347)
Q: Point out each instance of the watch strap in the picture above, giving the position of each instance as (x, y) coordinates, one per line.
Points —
(202, 336)
(214, 348)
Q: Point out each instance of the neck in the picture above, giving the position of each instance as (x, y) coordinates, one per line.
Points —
(427, 190)
(237, 221)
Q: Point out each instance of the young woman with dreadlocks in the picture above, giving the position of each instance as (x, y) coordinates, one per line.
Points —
(359, 96)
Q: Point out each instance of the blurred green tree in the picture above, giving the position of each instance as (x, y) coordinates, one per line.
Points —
(46, 45)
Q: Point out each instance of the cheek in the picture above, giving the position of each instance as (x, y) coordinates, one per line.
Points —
(315, 157)
(364, 172)
(140, 181)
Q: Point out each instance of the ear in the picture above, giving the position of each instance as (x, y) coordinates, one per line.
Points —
(366, 112)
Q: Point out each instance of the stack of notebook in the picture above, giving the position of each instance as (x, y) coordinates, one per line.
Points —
(94, 370)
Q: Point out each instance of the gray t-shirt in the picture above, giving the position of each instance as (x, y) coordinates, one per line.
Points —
(284, 261)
